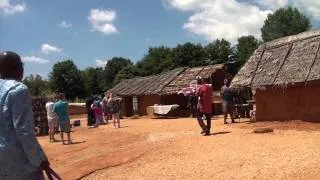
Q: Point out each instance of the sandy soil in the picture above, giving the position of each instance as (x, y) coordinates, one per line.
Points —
(174, 149)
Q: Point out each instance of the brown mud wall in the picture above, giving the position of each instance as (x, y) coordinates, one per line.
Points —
(145, 101)
(292, 103)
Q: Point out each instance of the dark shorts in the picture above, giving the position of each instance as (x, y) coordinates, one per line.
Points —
(227, 107)
(65, 126)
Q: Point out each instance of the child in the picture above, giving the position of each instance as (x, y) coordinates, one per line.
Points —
(97, 113)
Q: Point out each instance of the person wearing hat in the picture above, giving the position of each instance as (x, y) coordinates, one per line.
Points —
(204, 105)
(21, 156)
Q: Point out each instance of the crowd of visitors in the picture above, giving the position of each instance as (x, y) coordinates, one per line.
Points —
(100, 111)
(20, 153)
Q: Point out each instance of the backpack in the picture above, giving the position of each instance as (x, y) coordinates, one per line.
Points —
(114, 106)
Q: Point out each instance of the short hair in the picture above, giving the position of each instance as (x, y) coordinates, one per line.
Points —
(9, 61)
(61, 96)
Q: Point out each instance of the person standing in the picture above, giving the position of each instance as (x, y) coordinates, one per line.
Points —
(91, 118)
(114, 108)
(227, 101)
(96, 107)
(61, 109)
(52, 119)
(204, 105)
(105, 107)
(21, 156)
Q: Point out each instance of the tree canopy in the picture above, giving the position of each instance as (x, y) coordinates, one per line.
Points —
(284, 22)
(245, 47)
(37, 85)
(93, 78)
(66, 78)
(113, 67)
(219, 51)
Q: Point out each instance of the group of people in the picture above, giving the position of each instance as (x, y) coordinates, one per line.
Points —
(100, 111)
(202, 99)
(58, 117)
(21, 156)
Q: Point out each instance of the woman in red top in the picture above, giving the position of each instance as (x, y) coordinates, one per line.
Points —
(204, 106)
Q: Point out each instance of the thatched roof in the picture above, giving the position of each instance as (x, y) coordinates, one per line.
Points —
(165, 83)
(189, 77)
(282, 62)
(146, 85)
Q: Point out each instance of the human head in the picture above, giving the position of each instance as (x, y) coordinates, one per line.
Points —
(226, 82)
(50, 99)
(61, 96)
(199, 80)
(11, 66)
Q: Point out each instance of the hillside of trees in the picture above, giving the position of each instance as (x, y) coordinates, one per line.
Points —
(66, 77)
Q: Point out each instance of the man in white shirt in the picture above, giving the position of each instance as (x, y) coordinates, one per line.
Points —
(52, 119)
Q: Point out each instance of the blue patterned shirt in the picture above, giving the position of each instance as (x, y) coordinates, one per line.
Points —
(20, 152)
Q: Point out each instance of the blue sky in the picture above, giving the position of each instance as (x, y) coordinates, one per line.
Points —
(90, 32)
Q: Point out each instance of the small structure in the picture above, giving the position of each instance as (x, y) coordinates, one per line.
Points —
(141, 92)
(285, 73)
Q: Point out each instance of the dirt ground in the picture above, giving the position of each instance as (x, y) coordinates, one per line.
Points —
(174, 149)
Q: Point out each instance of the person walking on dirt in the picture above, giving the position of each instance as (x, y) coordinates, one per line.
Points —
(21, 156)
(204, 105)
(227, 101)
(61, 109)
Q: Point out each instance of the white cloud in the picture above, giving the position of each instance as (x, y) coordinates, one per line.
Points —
(34, 59)
(9, 9)
(101, 20)
(101, 63)
(273, 4)
(230, 19)
(47, 48)
(227, 19)
(310, 7)
(65, 24)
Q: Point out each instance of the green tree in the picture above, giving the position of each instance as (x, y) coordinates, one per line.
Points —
(188, 54)
(245, 47)
(127, 73)
(66, 78)
(157, 60)
(284, 22)
(94, 82)
(112, 68)
(37, 85)
(219, 51)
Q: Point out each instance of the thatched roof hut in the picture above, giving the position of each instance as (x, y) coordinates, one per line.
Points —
(282, 62)
(163, 88)
(286, 74)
